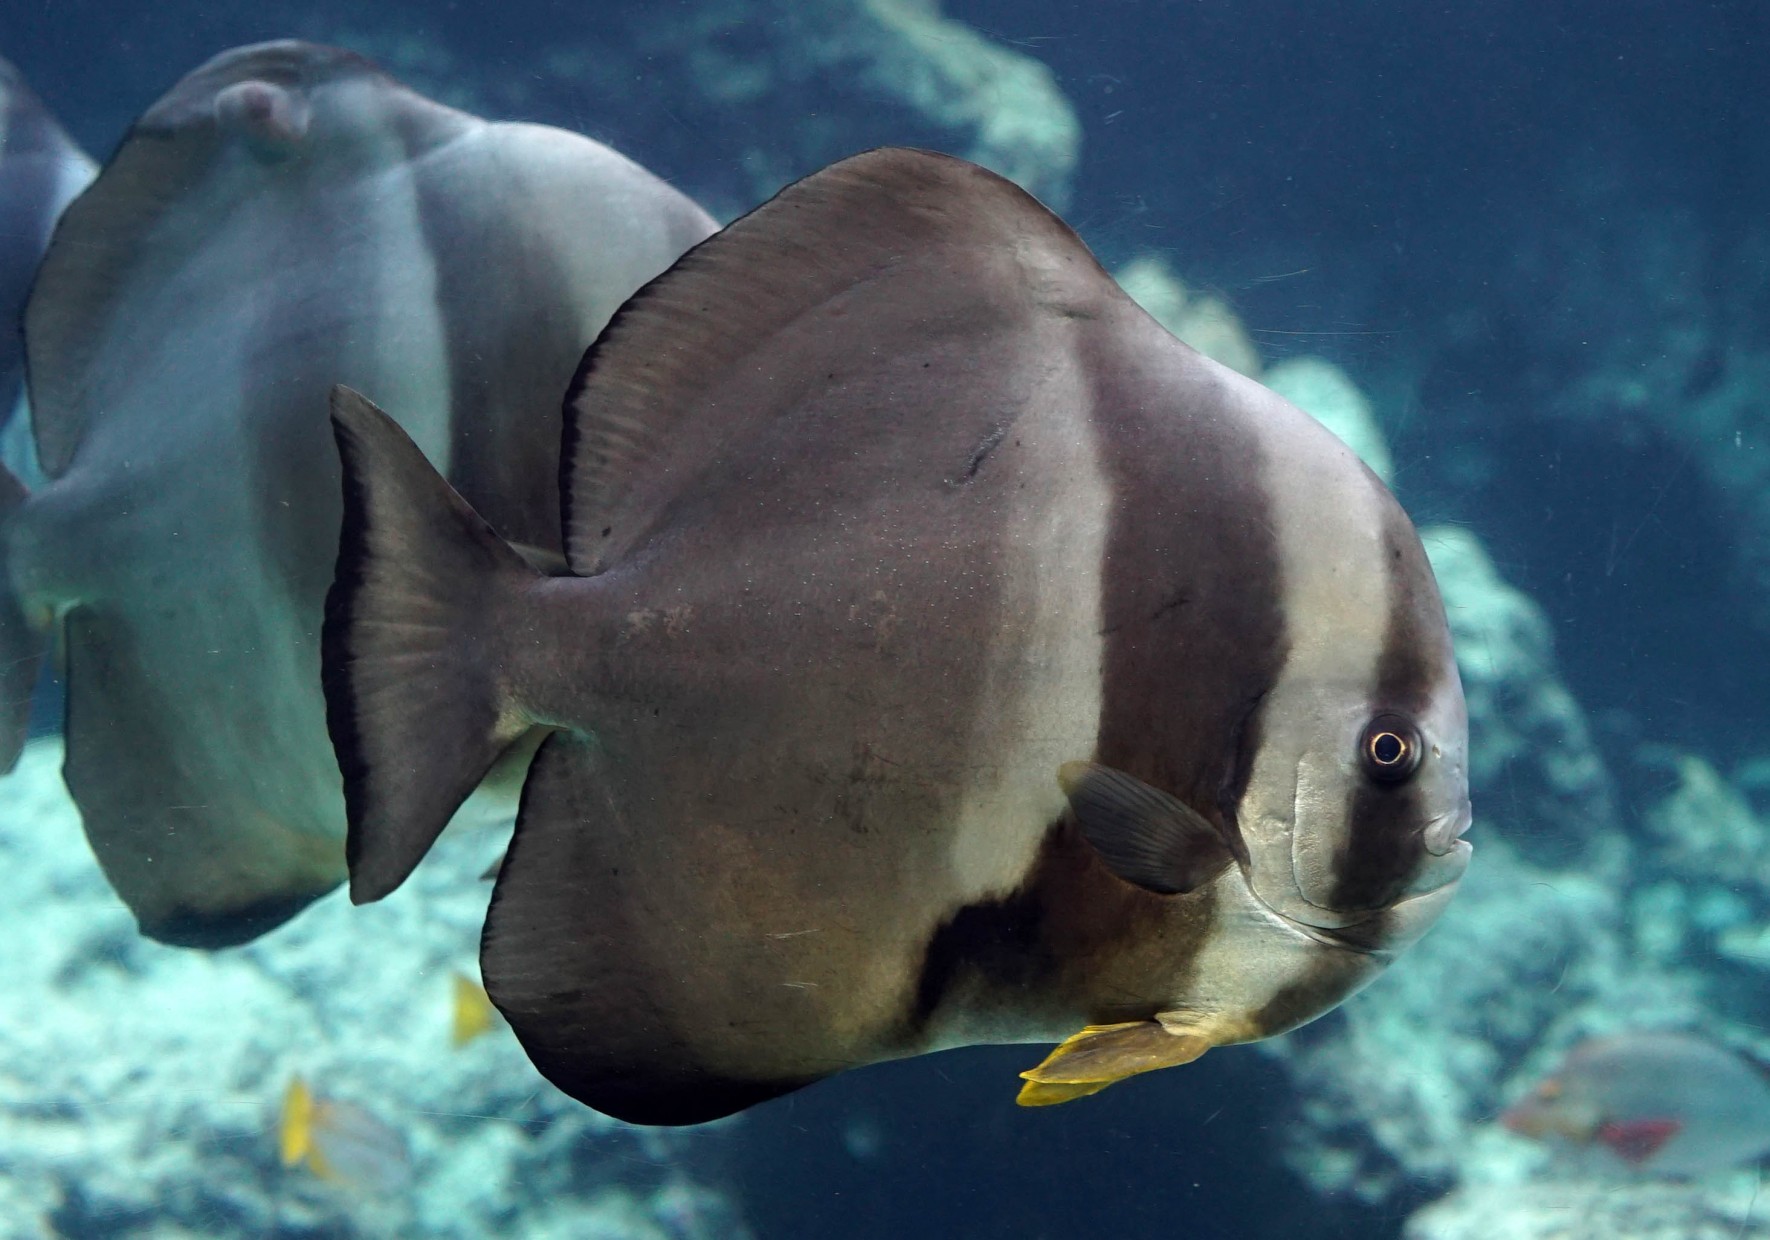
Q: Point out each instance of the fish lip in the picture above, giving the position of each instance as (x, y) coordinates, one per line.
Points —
(1446, 831)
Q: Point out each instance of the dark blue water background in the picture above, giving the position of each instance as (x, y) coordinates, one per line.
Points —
(1358, 179)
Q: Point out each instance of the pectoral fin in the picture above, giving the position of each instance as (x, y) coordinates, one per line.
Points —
(1087, 1062)
(1144, 835)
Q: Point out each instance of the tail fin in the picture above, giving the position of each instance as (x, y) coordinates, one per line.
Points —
(21, 645)
(411, 649)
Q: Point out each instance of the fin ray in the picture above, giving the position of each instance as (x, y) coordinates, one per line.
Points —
(414, 702)
(1144, 835)
(642, 416)
(1100, 1055)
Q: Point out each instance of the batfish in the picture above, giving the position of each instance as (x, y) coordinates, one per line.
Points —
(287, 215)
(41, 169)
(949, 655)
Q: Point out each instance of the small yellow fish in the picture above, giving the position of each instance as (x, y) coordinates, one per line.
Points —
(473, 1013)
(342, 1143)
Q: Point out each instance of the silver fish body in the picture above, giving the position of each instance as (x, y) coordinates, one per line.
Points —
(286, 216)
(41, 171)
(949, 656)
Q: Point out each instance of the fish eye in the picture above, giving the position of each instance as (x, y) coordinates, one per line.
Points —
(1390, 749)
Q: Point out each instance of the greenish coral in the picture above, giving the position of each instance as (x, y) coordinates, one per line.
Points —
(1528, 734)
(1325, 392)
(1202, 320)
(1003, 108)
(1598, 1210)
(1020, 123)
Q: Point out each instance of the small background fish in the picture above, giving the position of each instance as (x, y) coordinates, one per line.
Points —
(342, 1142)
(1658, 1103)
(471, 1014)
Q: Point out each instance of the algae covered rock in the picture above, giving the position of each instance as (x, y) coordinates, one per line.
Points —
(1607, 1210)
(732, 99)
(1007, 104)
(1530, 741)
(1703, 895)
(1203, 320)
(1392, 1087)
(1325, 392)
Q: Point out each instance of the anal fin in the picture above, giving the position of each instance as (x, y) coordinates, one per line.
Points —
(574, 957)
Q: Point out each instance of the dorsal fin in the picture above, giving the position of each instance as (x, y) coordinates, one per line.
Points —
(643, 417)
(136, 219)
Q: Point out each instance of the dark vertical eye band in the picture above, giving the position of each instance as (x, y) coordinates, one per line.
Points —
(1390, 749)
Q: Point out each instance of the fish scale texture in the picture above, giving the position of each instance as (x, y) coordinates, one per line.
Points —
(140, 1084)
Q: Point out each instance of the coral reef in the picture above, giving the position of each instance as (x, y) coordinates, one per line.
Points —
(140, 1084)
(777, 88)
(1202, 320)
(1533, 763)
(1610, 326)
(1598, 1211)
(936, 77)
(1391, 1086)
(1327, 393)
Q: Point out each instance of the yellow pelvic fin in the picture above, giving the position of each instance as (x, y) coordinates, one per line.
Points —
(1087, 1062)
(296, 1134)
(473, 1013)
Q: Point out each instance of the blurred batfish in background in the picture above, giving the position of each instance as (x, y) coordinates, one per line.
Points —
(342, 1143)
(949, 655)
(41, 170)
(286, 216)
(1660, 1103)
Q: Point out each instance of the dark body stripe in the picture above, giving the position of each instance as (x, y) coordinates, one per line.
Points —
(1193, 604)
(1073, 929)
(1384, 844)
(1191, 597)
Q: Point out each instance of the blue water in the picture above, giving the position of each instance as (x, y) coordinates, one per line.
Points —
(1535, 232)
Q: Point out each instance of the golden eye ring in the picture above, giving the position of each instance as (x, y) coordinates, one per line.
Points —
(1390, 749)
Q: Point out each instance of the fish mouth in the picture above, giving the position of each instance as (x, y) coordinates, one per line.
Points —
(1445, 832)
(1440, 866)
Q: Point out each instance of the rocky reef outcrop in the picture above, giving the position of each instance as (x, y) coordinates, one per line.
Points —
(140, 1085)
(1597, 1211)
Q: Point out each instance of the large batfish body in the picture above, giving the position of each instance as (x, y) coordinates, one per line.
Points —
(950, 656)
(41, 170)
(285, 216)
